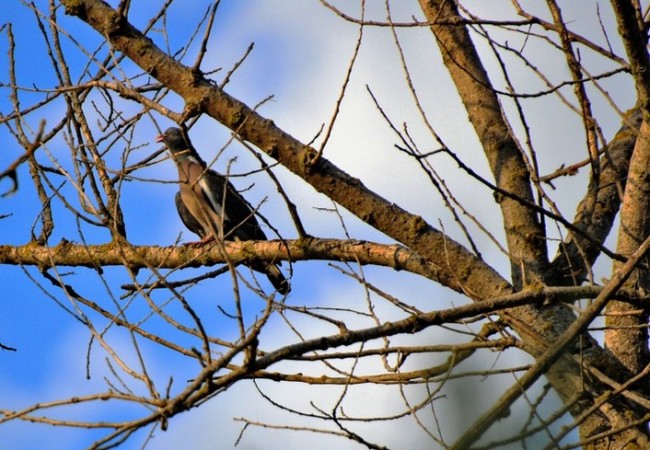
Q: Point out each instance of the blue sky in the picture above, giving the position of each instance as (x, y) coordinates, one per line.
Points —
(300, 57)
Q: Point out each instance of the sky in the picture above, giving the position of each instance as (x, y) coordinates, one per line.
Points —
(301, 54)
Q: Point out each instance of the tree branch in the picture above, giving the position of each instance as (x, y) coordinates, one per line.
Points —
(118, 254)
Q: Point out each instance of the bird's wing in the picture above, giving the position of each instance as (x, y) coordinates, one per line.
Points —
(186, 216)
(212, 185)
(239, 220)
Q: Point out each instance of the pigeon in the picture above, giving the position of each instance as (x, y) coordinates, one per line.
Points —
(210, 207)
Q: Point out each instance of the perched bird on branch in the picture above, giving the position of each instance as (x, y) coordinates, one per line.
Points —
(210, 207)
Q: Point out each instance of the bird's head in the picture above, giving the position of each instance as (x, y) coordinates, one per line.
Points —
(174, 140)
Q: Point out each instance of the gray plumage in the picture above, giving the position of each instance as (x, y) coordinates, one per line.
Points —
(210, 207)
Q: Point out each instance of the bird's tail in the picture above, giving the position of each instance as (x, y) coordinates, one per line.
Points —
(277, 279)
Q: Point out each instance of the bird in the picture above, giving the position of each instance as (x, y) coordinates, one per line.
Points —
(210, 206)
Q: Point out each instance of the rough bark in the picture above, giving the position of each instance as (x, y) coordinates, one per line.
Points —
(599, 207)
(626, 335)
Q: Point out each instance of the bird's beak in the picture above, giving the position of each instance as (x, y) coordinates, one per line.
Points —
(160, 138)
